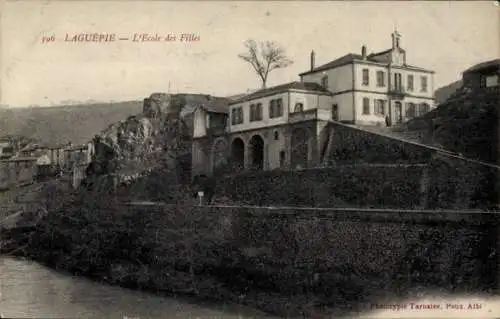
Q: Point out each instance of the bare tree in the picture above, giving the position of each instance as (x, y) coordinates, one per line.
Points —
(265, 57)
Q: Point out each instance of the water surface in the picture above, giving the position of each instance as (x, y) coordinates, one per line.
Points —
(28, 289)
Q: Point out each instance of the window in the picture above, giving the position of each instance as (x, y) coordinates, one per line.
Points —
(255, 112)
(335, 112)
(366, 106)
(366, 77)
(492, 80)
(380, 107)
(410, 110)
(324, 81)
(423, 83)
(299, 107)
(279, 107)
(397, 81)
(409, 85)
(422, 109)
(276, 108)
(252, 112)
(276, 135)
(380, 79)
(236, 116)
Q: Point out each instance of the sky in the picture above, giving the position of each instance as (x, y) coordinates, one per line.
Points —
(445, 36)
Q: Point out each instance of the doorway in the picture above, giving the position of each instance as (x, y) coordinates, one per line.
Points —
(398, 112)
(257, 149)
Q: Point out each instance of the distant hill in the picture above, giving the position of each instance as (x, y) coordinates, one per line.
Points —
(61, 124)
(443, 93)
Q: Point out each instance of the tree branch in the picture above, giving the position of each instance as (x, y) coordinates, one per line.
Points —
(264, 58)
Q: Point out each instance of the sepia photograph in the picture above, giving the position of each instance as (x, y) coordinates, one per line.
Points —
(249, 159)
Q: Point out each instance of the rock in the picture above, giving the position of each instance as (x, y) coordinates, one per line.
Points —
(149, 109)
(163, 104)
(157, 137)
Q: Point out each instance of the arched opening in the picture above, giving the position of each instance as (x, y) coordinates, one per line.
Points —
(219, 153)
(300, 148)
(238, 153)
(257, 152)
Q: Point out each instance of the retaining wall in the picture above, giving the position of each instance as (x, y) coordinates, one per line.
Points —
(365, 249)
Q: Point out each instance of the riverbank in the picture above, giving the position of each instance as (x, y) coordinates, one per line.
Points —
(31, 290)
(286, 262)
(95, 239)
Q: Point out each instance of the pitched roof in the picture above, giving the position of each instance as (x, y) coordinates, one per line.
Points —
(210, 103)
(346, 59)
(296, 85)
(483, 65)
(371, 55)
(351, 57)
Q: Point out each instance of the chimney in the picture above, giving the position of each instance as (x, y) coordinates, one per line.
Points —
(313, 57)
(363, 52)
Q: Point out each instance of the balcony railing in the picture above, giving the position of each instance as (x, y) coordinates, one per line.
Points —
(397, 91)
(302, 116)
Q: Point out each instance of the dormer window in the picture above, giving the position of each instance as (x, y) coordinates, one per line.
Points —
(299, 107)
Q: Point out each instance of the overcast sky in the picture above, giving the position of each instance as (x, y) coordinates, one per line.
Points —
(447, 37)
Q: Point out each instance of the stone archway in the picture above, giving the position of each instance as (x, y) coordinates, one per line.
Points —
(257, 152)
(300, 148)
(238, 153)
(218, 154)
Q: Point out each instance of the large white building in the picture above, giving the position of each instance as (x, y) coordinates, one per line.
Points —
(285, 126)
(375, 88)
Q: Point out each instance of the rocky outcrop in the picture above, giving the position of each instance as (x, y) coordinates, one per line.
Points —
(147, 132)
(156, 138)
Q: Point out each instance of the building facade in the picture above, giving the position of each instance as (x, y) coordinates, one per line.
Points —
(286, 126)
(277, 127)
(378, 88)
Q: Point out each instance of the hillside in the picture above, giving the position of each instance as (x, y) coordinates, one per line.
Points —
(75, 123)
(443, 93)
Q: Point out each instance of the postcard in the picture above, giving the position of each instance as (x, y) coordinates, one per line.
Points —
(249, 159)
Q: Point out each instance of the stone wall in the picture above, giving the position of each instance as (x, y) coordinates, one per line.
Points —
(363, 185)
(359, 251)
(353, 145)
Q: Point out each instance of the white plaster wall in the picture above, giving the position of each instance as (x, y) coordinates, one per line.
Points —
(339, 79)
(345, 106)
(358, 96)
(199, 123)
(372, 85)
(266, 121)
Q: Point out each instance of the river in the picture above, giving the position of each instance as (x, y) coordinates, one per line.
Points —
(28, 289)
